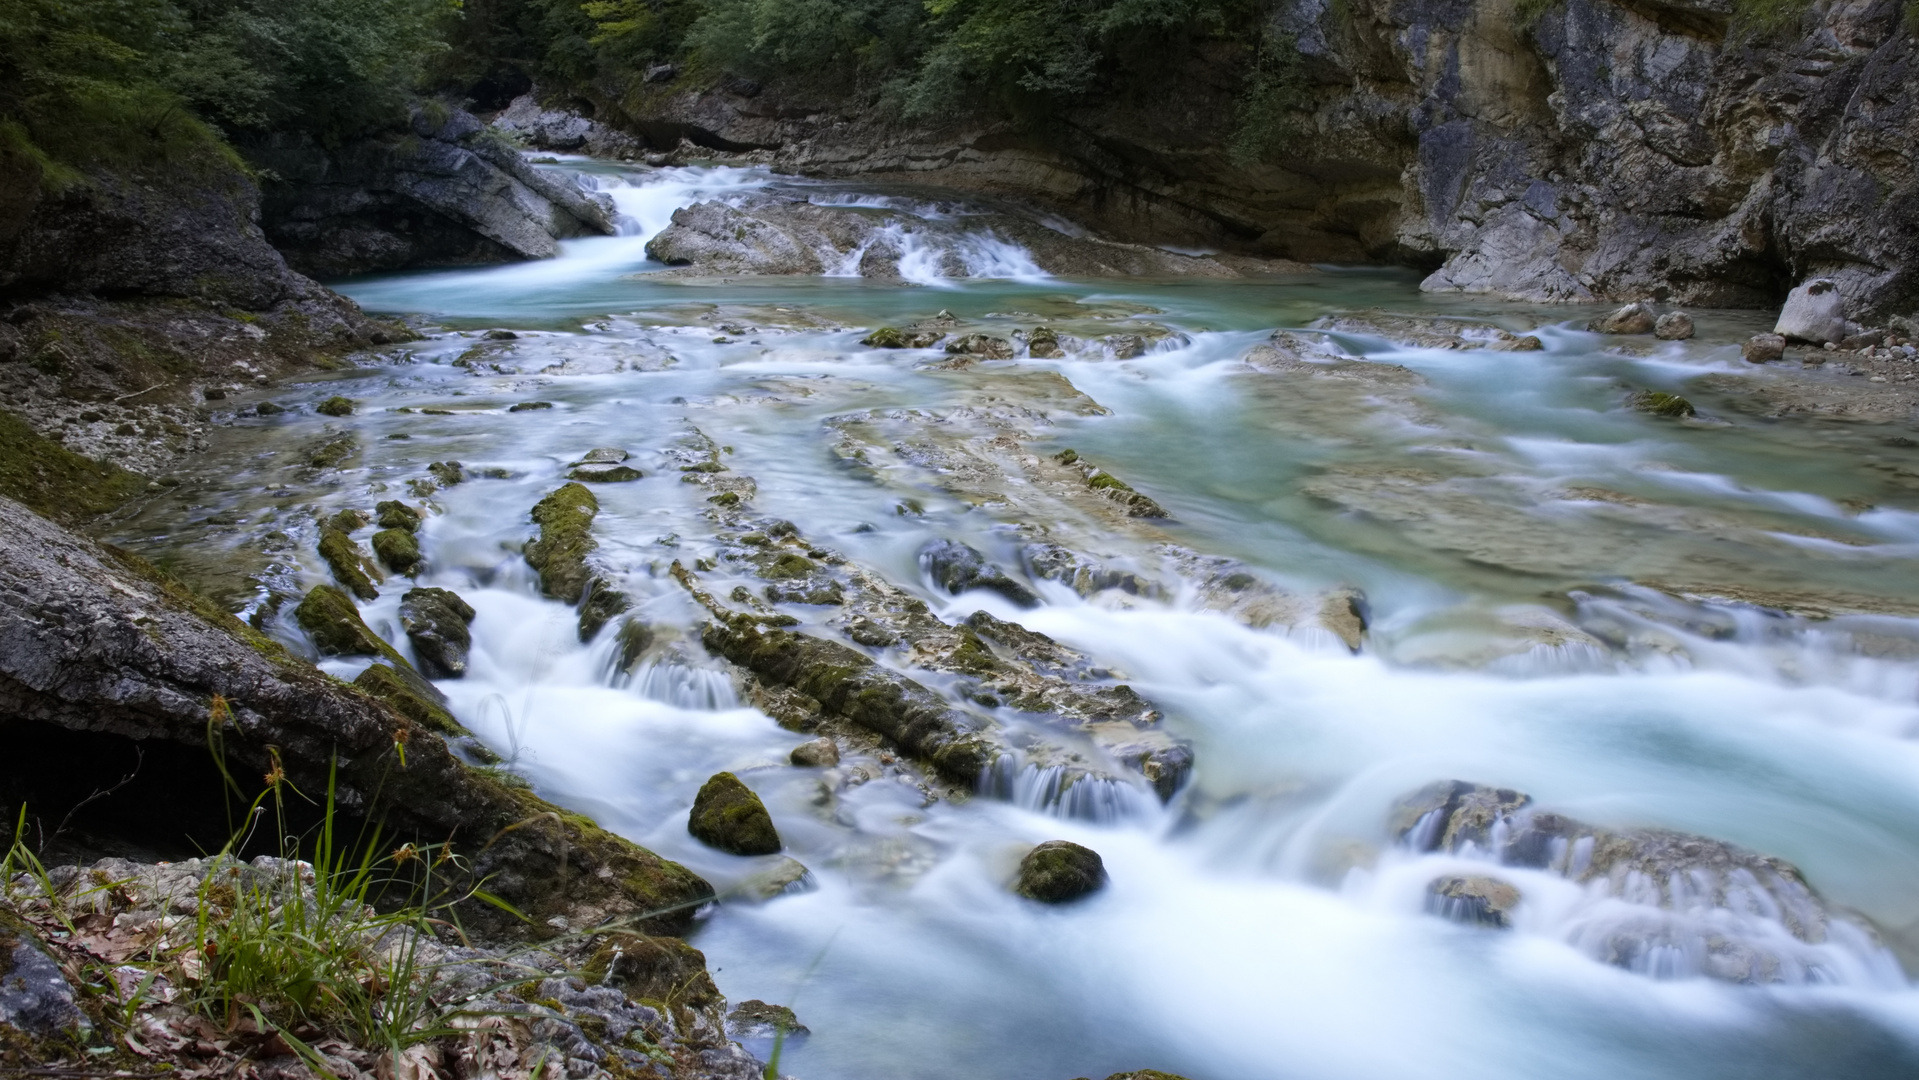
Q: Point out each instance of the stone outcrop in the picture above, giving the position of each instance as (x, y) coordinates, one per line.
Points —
(729, 816)
(445, 192)
(1594, 150)
(97, 645)
(1058, 871)
(1663, 903)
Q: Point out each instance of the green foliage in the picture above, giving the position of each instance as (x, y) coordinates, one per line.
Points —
(829, 44)
(121, 83)
(1269, 115)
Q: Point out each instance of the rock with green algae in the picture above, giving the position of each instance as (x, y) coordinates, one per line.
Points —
(1043, 344)
(394, 514)
(656, 969)
(56, 481)
(886, 337)
(850, 684)
(1660, 403)
(398, 550)
(411, 696)
(1142, 1074)
(335, 406)
(335, 627)
(436, 621)
(992, 348)
(565, 518)
(756, 1019)
(598, 607)
(448, 473)
(1058, 871)
(349, 520)
(605, 474)
(347, 561)
(727, 815)
(332, 453)
(117, 648)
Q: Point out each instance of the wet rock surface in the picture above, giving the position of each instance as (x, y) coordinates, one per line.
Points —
(436, 621)
(1059, 871)
(1686, 905)
(729, 816)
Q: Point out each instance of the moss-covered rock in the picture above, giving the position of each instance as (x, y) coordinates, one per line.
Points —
(332, 453)
(559, 554)
(448, 473)
(605, 474)
(729, 816)
(409, 695)
(349, 520)
(886, 337)
(530, 406)
(661, 970)
(56, 481)
(334, 624)
(1058, 871)
(635, 637)
(398, 550)
(992, 348)
(394, 514)
(1043, 344)
(335, 406)
(435, 621)
(847, 682)
(1660, 403)
(347, 561)
(598, 607)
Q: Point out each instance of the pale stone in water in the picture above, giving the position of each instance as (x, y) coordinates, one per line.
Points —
(1673, 326)
(1761, 348)
(1814, 312)
(1631, 319)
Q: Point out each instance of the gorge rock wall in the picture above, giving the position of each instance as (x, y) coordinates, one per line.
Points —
(1600, 150)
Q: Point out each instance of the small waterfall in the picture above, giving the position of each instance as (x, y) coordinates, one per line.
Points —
(937, 258)
(1067, 791)
(684, 686)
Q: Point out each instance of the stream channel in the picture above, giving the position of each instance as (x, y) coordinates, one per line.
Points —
(1700, 625)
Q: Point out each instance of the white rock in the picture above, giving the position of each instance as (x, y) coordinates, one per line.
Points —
(1815, 312)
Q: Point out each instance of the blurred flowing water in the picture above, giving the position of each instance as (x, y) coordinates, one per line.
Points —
(1263, 924)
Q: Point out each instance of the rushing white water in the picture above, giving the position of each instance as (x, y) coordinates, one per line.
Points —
(1502, 519)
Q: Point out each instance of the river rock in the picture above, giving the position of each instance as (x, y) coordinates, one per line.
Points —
(1476, 900)
(1660, 403)
(335, 627)
(820, 753)
(983, 345)
(1632, 319)
(394, 514)
(757, 1020)
(398, 550)
(411, 696)
(348, 561)
(729, 816)
(957, 568)
(559, 554)
(1673, 326)
(1125, 346)
(335, 406)
(1763, 348)
(1058, 871)
(436, 622)
(1043, 344)
(1702, 906)
(1815, 312)
(783, 877)
(35, 997)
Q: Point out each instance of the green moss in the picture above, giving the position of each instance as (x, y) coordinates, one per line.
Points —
(601, 602)
(348, 520)
(334, 624)
(886, 337)
(725, 498)
(335, 406)
(55, 481)
(398, 550)
(1660, 403)
(398, 515)
(347, 561)
(789, 566)
(1107, 482)
(729, 816)
(394, 687)
(559, 555)
(333, 453)
(1066, 457)
(213, 613)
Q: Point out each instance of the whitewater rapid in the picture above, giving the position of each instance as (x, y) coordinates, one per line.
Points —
(1264, 923)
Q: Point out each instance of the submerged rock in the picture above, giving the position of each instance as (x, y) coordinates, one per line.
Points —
(1763, 348)
(1631, 319)
(1815, 312)
(1476, 900)
(1660, 403)
(1043, 344)
(785, 876)
(447, 473)
(1058, 871)
(957, 568)
(983, 345)
(436, 622)
(729, 816)
(1673, 326)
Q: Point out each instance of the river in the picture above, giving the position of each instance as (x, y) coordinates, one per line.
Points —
(1551, 583)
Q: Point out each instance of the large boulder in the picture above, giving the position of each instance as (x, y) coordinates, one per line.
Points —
(1815, 312)
(443, 191)
(99, 649)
